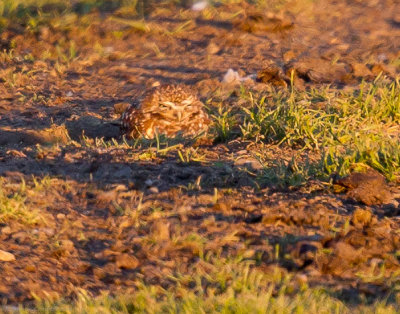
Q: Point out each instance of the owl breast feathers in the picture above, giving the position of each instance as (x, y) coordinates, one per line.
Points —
(169, 110)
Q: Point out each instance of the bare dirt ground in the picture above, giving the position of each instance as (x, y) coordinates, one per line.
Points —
(102, 216)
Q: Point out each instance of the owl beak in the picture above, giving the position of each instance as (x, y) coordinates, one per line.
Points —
(179, 115)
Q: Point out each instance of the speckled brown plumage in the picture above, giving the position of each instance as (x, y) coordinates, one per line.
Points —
(168, 110)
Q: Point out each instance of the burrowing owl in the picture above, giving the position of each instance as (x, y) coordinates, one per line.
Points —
(168, 110)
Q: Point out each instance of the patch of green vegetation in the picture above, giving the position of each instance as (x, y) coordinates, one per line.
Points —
(188, 155)
(224, 122)
(21, 8)
(33, 13)
(286, 174)
(216, 285)
(14, 204)
(360, 126)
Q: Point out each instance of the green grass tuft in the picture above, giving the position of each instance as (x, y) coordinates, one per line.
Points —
(361, 126)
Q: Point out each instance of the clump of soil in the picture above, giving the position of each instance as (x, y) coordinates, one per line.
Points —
(368, 187)
(256, 21)
(365, 246)
(272, 74)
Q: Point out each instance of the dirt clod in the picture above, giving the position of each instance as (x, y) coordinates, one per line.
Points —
(126, 261)
(369, 187)
(6, 256)
(361, 217)
(272, 74)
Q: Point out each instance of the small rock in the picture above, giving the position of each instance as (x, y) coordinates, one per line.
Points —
(213, 49)
(199, 5)
(126, 261)
(153, 190)
(6, 230)
(249, 163)
(30, 268)
(367, 186)
(109, 49)
(6, 256)
(60, 216)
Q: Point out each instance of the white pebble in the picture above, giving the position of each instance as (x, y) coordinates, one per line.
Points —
(200, 5)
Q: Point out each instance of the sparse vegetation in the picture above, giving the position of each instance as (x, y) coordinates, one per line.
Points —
(14, 205)
(349, 129)
(218, 286)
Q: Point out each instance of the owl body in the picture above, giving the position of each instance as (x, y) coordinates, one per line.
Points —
(169, 110)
